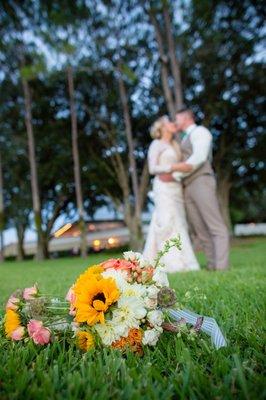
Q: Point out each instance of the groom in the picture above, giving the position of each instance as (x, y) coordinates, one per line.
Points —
(200, 190)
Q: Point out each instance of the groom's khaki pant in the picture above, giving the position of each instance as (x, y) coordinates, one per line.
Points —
(206, 219)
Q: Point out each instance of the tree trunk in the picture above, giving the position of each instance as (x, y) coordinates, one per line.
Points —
(134, 226)
(129, 135)
(136, 223)
(33, 171)
(223, 192)
(136, 235)
(173, 60)
(1, 212)
(77, 177)
(46, 240)
(20, 246)
(164, 68)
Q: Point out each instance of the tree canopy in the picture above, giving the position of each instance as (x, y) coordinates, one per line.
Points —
(207, 54)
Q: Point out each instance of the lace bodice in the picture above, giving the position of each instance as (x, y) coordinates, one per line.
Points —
(162, 155)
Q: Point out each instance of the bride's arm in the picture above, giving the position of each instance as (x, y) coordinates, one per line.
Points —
(153, 160)
(182, 167)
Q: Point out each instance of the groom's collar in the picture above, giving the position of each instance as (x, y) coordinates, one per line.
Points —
(190, 128)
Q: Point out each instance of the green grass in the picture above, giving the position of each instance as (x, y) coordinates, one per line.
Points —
(175, 369)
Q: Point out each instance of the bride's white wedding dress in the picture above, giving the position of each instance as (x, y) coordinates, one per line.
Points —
(169, 217)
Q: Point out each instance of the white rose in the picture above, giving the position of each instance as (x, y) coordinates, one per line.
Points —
(155, 317)
(151, 337)
(152, 292)
(160, 277)
(151, 304)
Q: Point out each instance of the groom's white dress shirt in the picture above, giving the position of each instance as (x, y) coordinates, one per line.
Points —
(201, 140)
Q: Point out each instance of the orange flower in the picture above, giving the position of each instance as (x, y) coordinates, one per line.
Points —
(92, 272)
(85, 340)
(135, 336)
(13, 328)
(132, 341)
(93, 298)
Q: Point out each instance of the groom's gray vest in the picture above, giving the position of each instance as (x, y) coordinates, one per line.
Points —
(205, 169)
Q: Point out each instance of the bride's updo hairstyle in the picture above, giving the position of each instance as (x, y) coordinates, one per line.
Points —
(156, 128)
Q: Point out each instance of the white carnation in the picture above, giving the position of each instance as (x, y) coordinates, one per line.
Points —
(151, 336)
(133, 290)
(110, 331)
(129, 312)
(155, 317)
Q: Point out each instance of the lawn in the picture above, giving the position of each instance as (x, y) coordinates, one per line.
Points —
(176, 368)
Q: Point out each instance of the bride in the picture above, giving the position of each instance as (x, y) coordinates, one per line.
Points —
(169, 218)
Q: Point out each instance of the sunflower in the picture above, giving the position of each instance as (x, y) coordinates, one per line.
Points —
(92, 272)
(12, 322)
(85, 340)
(93, 298)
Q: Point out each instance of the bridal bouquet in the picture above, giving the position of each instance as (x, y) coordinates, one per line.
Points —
(122, 303)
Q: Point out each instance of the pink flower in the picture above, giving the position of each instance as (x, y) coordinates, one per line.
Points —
(118, 264)
(18, 333)
(72, 311)
(71, 297)
(33, 326)
(38, 333)
(30, 293)
(12, 303)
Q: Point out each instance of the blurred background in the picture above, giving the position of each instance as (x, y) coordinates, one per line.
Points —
(81, 83)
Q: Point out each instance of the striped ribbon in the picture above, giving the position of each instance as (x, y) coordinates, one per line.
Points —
(208, 326)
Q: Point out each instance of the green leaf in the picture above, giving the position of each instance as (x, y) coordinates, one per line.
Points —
(129, 73)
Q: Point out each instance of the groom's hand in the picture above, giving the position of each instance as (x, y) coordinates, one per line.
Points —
(166, 178)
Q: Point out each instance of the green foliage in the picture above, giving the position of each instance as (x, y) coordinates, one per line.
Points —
(173, 242)
(218, 46)
(128, 72)
(32, 71)
(177, 368)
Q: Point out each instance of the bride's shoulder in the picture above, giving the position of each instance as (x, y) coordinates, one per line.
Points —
(156, 143)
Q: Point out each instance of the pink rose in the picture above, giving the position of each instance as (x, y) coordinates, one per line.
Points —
(118, 264)
(12, 303)
(30, 293)
(18, 333)
(38, 333)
